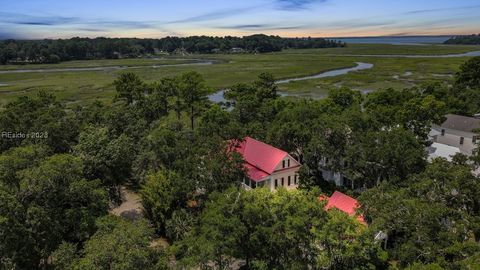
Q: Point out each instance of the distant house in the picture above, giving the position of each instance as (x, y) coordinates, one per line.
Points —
(336, 178)
(458, 132)
(343, 203)
(266, 165)
(237, 50)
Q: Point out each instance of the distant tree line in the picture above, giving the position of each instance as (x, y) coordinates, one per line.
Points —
(466, 40)
(54, 51)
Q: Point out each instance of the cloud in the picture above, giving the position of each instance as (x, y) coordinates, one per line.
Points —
(398, 34)
(122, 24)
(288, 5)
(35, 23)
(421, 11)
(245, 26)
(92, 29)
(296, 4)
(259, 27)
(359, 23)
(225, 13)
(96, 25)
(24, 19)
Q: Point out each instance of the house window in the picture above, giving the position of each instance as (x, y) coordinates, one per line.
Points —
(289, 181)
(283, 182)
(461, 140)
(347, 182)
(443, 132)
(276, 183)
(283, 163)
(295, 179)
(288, 162)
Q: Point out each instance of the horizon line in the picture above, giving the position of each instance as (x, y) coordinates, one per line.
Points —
(216, 36)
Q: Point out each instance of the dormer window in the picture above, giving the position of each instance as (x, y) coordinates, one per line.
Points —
(443, 132)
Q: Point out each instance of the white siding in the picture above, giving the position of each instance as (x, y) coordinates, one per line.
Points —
(453, 139)
(290, 172)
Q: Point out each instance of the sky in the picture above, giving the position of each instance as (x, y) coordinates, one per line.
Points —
(35, 19)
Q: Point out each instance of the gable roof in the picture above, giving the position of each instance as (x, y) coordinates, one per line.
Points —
(255, 173)
(343, 203)
(462, 123)
(261, 158)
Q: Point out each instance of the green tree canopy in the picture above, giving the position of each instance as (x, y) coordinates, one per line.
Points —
(282, 230)
(130, 87)
(430, 218)
(194, 92)
(53, 203)
(106, 157)
(118, 244)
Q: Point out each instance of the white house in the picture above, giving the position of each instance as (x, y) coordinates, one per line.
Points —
(458, 134)
(457, 131)
(266, 165)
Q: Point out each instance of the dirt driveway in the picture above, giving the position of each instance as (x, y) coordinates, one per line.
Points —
(131, 207)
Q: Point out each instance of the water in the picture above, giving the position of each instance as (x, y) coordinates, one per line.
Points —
(452, 55)
(218, 97)
(332, 73)
(110, 68)
(405, 40)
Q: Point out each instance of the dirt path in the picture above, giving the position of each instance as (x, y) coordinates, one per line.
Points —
(131, 207)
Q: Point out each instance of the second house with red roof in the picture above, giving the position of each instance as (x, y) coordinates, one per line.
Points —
(266, 165)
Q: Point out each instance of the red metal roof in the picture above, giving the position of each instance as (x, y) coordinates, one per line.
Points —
(254, 173)
(261, 159)
(343, 203)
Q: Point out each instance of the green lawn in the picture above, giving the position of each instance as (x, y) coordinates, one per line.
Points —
(84, 86)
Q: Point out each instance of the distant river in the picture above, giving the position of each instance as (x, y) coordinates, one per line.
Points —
(331, 73)
(406, 40)
(107, 68)
(218, 97)
(452, 55)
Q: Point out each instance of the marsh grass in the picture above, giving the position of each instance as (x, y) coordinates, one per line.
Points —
(85, 86)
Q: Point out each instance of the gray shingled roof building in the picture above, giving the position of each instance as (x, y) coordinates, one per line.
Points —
(461, 123)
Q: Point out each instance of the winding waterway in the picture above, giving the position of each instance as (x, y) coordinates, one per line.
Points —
(218, 97)
(452, 55)
(107, 68)
(331, 73)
